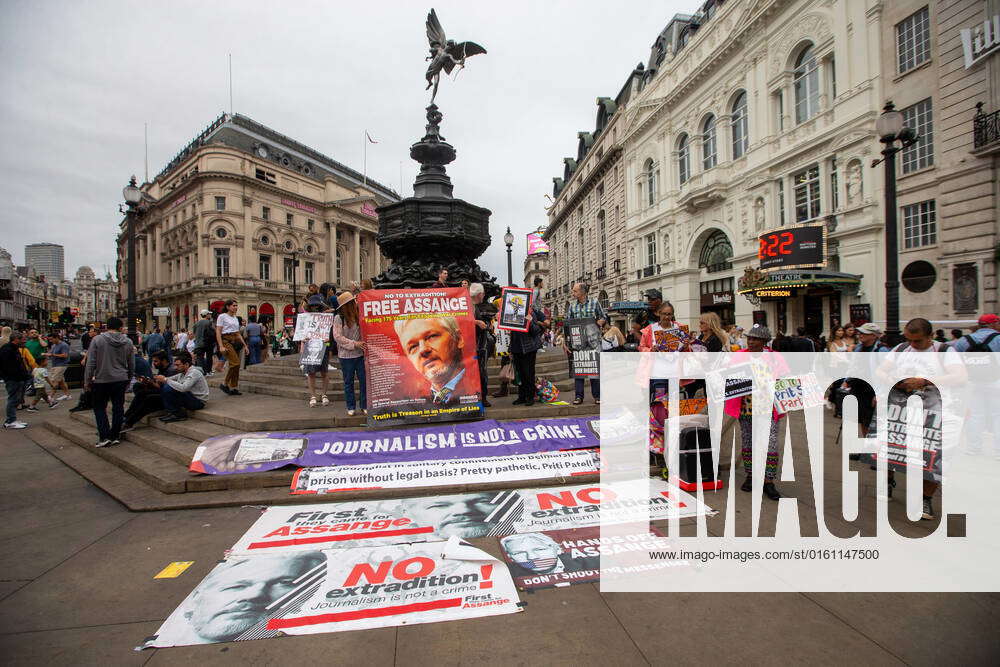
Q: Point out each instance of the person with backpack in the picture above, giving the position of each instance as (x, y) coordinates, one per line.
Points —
(983, 369)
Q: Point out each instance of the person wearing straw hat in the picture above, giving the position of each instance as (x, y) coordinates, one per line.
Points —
(350, 350)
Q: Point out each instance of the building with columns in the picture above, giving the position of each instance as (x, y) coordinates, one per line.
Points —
(754, 116)
(96, 299)
(586, 221)
(245, 212)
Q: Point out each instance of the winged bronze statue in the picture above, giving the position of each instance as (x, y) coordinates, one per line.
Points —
(445, 53)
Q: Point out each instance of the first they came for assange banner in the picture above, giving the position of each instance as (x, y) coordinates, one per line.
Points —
(309, 592)
(254, 452)
(480, 470)
(420, 356)
(468, 515)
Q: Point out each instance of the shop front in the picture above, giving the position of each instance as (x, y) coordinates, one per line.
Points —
(717, 297)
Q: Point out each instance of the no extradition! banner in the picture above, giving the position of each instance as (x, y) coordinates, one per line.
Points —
(243, 452)
(307, 592)
(469, 515)
(420, 356)
(480, 470)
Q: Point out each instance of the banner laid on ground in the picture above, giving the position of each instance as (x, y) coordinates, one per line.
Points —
(308, 592)
(566, 557)
(313, 326)
(243, 452)
(480, 470)
(469, 515)
(420, 355)
(583, 337)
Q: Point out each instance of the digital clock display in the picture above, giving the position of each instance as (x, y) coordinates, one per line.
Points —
(799, 246)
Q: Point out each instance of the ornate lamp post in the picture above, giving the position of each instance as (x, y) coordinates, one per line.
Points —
(132, 197)
(508, 239)
(890, 129)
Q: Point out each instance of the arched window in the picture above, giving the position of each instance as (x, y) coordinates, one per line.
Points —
(650, 170)
(602, 299)
(683, 159)
(806, 86)
(708, 146)
(740, 126)
(716, 253)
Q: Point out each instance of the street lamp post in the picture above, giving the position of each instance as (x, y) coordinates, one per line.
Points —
(132, 197)
(508, 239)
(890, 129)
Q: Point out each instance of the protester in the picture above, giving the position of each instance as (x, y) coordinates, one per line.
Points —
(742, 409)
(204, 340)
(956, 334)
(329, 293)
(187, 390)
(316, 304)
(230, 342)
(110, 367)
(16, 375)
(5, 333)
(146, 396)
(919, 339)
(255, 336)
(58, 356)
(311, 290)
(366, 284)
(181, 340)
(850, 335)
(442, 279)
(634, 336)
(350, 351)
(484, 334)
(286, 345)
(939, 336)
(584, 308)
(869, 335)
(42, 381)
(524, 347)
(984, 372)
(464, 283)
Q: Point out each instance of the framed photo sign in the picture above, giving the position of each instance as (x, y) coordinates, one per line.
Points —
(515, 304)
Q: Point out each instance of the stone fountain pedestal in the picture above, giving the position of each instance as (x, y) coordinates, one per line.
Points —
(432, 230)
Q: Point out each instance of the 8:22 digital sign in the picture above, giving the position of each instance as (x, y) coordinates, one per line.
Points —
(800, 246)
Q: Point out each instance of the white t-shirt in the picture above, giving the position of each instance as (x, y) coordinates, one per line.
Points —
(228, 323)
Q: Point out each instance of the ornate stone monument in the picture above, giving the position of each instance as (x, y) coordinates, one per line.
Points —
(432, 230)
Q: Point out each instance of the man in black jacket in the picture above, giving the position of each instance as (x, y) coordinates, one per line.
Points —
(16, 377)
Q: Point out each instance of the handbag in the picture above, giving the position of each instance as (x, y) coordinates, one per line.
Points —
(507, 373)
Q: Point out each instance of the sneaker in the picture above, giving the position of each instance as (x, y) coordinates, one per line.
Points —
(53, 406)
(312, 402)
(103, 443)
(225, 389)
(235, 392)
(928, 514)
(31, 408)
(15, 425)
(116, 441)
(64, 397)
(324, 400)
(350, 413)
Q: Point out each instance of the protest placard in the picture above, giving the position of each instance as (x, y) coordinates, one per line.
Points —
(313, 326)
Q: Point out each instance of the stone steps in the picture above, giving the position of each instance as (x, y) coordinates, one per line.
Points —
(548, 367)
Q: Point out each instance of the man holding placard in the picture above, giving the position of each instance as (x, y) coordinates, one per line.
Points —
(582, 336)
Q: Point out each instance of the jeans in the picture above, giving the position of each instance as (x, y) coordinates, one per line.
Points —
(351, 367)
(525, 365)
(15, 393)
(102, 392)
(175, 401)
(595, 387)
(483, 376)
(143, 403)
(203, 358)
(253, 353)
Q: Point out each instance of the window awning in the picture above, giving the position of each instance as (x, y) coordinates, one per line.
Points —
(628, 307)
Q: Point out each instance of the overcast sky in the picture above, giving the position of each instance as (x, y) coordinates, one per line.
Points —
(79, 79)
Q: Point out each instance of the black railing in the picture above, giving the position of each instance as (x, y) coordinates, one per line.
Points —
(650, 270)
(601, 273)
(985, 127)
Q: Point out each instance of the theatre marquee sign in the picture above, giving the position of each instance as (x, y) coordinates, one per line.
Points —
(794, 247)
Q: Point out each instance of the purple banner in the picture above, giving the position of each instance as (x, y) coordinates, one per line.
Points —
(255, 452)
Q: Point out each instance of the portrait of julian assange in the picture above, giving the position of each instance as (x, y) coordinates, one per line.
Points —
(435, 348)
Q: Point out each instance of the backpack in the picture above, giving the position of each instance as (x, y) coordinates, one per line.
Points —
(979, 361)
(545, 390)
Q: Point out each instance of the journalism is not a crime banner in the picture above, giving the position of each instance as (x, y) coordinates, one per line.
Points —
(468, 515)
(420, 355)
(246, 452)
(480, 470)
(256, 596)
